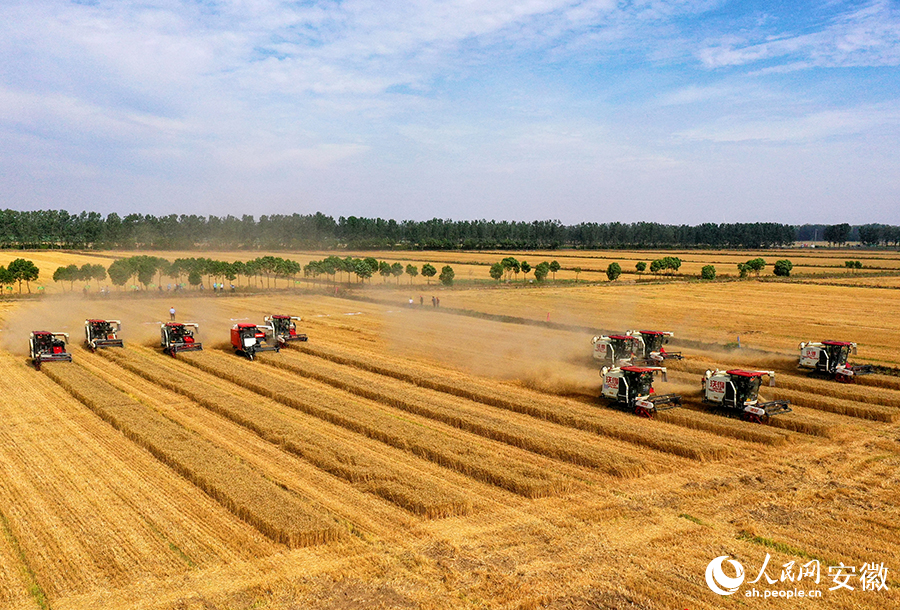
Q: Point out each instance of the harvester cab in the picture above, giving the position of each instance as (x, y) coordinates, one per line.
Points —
(632, 387)
(650, 346)
(614, 350)
(830, 358)
(285, 328)
(247, 339)
(102, 333)
(48, 347)
(179, 337)
(738, 390)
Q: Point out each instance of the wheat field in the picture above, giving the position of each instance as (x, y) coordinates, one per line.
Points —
(452, 457)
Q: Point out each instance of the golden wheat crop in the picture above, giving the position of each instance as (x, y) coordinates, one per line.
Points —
(559, 411)
(535, 436)
(479, 460)
(275, 512)
(391, 481)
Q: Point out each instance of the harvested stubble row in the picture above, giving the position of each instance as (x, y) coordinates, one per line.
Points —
(694, 445)
(511, 428)
(721, 426)
(879, 381)
(812, 393)
(368, 472)
(481, 459)
(274, 511)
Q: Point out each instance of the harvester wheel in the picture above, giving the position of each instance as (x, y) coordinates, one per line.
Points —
(250, 356)
(37, 364)
(841, 378)
(752, 417)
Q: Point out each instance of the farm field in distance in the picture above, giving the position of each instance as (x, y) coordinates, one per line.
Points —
(447, 457)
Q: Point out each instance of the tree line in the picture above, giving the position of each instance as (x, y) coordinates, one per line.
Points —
(91, 230)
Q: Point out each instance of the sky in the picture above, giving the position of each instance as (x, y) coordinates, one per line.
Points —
(673, 111)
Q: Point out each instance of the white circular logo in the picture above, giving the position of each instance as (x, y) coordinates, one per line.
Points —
(718, 581)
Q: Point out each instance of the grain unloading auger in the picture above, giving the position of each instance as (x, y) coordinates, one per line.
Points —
(830, 358)
(632, 387)
(179, 337)
(46, 346)
(102, 333)
(285, 328)
(738, 391)
(248, 339)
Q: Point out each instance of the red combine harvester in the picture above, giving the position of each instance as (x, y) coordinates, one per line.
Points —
(284, 329)
(738, 391)
(102, 333)
(178, 337)
(48, 347)
(614, 350)
(632, 387)
(248, 339)
(830, 358)
(650, 348)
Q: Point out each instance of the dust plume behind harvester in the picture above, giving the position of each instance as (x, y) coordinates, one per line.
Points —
(830, 358)
(179, 337)
(632, 387)
(248, 339)
(285, 328)
(102, 333)
(46, 346)
(738, 391)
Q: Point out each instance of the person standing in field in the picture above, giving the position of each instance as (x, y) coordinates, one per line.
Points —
(172, 313)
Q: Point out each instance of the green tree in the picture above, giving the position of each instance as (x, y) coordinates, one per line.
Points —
(120, 271)
(24, 271)
(497, 271)
(613, 271)
(526, 268)
(783, 268)
(554, 267)
(384, 269)
(743, 269)
(640, 267)
(447, 275)
(428, 272)
(656, 266)
(397, 271)
(756, 265)
(577, 271)
(364, 269)
(195, 278)
(6, 278)
(540, 271)
(708, 272)
(412, 271)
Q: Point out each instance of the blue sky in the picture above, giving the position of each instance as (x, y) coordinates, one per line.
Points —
(681, 111)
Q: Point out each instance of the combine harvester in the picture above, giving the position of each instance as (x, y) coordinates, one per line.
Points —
(285, 329)
(632, 387)
(614, 350)
(638, 347)
(178, 337)
(247, 339)
(48, 347)
(830, 358)
(102, 333)
(738, 391)
(649, 346)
